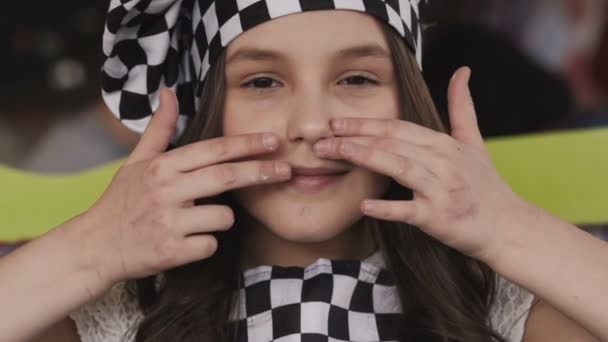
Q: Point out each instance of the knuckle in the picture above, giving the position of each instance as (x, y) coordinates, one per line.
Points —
(226, 174)
(366, 153)
(259, 171)
(442, 200)
(404, 165)
(255, 143)
(404, 124)
(156, 170)
(156, 197)
(387, 211)
(333, 145)
(443, 141)
(343, 147)
(414, 214)
(162, 220)
(383, 144)
(340, 146)
(265, 170)
(399, 214)
(390, 129)
(443, 167)
(453, 178)
(166, 252)
(219, 148)
(410, 126)
(352, 124)
(457, 146)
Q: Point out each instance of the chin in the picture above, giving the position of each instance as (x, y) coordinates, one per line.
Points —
(305, 222)
(312, 226)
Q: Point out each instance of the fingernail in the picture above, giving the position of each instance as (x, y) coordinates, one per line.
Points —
(338, 125)
(269, 141)
(282, 169)
(322, 147)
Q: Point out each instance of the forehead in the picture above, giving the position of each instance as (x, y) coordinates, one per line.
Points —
(327, 29)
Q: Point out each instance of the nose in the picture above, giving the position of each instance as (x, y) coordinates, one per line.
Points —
(309, 116)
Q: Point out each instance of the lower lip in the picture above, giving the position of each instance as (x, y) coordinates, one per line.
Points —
(314, 183)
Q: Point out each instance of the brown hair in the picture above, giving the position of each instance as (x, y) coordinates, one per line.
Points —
(444, 295)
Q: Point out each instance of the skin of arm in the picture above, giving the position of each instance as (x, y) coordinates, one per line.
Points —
(545, 323)
(44, 280)
(64, 331)
(566, 268)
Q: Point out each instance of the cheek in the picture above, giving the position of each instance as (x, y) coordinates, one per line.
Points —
(237, 123)
(242, 116)
(380, 105)
(373, 185)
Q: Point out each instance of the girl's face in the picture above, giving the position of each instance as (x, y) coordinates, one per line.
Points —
(290, 76)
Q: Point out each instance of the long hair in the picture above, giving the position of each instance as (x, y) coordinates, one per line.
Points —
(444, 295)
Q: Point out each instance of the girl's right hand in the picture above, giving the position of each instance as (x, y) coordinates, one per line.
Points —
(146, 220)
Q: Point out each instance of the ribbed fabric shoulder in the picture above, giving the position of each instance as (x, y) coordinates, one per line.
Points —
(511, 309)
(110, 318)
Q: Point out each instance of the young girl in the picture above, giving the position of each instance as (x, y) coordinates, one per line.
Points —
(310, 194)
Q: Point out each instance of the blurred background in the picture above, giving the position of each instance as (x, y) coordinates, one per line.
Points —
(51, 116)
(538, 66)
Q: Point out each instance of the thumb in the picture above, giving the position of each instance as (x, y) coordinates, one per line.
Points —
(462, 110)
(157, 135)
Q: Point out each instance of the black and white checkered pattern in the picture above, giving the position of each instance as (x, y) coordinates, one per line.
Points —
(326, 301)
(150, 44)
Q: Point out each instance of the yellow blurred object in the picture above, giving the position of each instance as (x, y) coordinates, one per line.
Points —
(31, 203)
(566, 173)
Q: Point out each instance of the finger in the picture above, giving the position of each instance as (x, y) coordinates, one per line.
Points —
(387, 128)
(196, 247)
(410, 212)
(428, 156)
(218, 150)
(462, 110)
(406, 171)
(159, 131)
(216, 179)
(204, 219)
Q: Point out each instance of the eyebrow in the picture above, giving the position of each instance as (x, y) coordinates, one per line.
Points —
(359, 51)
(367, 50)
(254, 54)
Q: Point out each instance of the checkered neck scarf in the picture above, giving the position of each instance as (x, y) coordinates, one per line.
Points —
(150, 44)
(326, 301)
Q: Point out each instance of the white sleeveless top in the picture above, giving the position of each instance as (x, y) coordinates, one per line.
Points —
(338, 300)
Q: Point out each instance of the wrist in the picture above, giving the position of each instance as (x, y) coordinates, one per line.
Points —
(512, 232)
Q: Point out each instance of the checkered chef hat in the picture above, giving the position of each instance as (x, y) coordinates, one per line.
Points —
(151, 44)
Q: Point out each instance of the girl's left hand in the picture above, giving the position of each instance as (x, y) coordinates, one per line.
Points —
(459, 198)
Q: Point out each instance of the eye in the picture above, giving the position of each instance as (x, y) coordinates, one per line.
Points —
(358, 80)
(261, 82)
